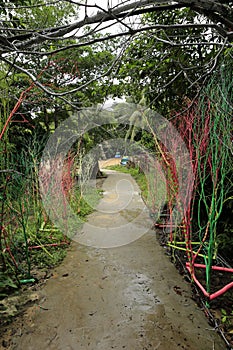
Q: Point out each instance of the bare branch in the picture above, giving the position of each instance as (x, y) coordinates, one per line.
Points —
(132, 32)
(21, 45)
(210, 9)
(50, 92)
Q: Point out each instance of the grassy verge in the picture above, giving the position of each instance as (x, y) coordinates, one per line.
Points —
(83, 202)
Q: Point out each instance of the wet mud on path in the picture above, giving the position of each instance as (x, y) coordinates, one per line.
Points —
(124, 297)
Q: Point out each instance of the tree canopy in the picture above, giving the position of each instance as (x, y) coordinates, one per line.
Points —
(32, 34)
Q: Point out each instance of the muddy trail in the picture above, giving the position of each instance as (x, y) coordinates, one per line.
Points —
(116, 289)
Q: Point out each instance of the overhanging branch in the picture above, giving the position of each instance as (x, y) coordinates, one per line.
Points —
(219, 14)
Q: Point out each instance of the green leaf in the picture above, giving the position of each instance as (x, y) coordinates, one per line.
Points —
(6, 281)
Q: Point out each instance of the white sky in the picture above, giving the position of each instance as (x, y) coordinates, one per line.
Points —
(103, 4)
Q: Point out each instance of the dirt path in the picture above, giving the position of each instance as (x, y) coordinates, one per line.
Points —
(126, 297)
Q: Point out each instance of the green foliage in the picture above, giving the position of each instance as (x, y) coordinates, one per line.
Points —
(48, 256)
(21, 212)
(7, 284)
(224, 240)
(6, 281)
(31, 14)
(84, 201)
(164, 63)
(226, 318)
